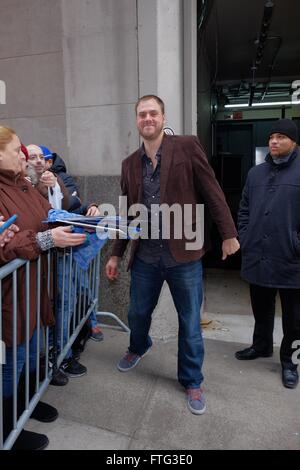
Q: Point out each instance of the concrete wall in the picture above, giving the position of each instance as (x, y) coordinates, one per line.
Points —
(74, 70)
(101, 86)
(160, 54)
(31, 65)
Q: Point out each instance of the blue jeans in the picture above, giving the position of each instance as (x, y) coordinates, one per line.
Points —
(93, 319)
(185, 283)
(65, 309)
(8, 366)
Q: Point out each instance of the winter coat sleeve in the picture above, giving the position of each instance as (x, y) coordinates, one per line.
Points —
(69, 183)
(23, 245)
(73, 194)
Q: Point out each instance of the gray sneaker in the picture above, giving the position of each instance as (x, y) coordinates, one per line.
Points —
(96, 333)
(130, 360)
(195, 400)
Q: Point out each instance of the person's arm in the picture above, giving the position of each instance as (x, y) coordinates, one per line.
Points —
(28, 244)
(22, 245)
(93, 211)
(8, 233)
(60, 237)
(119, 245)
(112, 267)
(48, 180)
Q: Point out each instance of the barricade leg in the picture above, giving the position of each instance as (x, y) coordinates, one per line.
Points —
(121, 326)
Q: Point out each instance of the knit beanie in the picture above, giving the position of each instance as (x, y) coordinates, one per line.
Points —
(25, 151)
(286, 127)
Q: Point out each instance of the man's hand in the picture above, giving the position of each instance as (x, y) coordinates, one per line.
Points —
(93, 211)
(229, 247)
(48, 179)
(111, 268)
(8, 234)
(63, 237)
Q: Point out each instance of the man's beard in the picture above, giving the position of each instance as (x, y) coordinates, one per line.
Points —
(32, 175)
(153, 136)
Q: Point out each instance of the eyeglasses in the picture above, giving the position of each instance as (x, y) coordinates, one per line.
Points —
(34, 157)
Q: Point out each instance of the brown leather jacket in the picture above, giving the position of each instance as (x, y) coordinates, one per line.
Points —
(185, 178)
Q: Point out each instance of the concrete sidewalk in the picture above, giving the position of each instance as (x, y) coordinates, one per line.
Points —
(247, 406)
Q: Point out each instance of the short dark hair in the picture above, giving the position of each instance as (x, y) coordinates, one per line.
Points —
(151, 97)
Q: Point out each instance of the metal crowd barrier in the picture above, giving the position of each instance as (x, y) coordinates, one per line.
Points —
(74, 295)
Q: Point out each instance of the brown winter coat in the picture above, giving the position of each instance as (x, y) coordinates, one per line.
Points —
(17, 196)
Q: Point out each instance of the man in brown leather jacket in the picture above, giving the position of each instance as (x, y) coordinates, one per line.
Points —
(169, 170)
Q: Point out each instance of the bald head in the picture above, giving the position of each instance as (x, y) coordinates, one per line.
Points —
(36, 158)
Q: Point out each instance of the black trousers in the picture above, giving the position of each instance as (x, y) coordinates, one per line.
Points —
(263, 306)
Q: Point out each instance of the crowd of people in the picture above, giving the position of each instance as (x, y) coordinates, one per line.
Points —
(29, 188)
(164, 170)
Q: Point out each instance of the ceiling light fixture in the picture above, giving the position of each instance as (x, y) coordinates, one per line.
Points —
(277, 103)
(263, 105)
(242, 105)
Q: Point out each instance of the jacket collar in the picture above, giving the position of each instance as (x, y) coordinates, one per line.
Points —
(293, 155)
(9, 177)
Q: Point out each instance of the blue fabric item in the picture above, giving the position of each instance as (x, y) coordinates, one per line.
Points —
(85, 253)
(46, 152)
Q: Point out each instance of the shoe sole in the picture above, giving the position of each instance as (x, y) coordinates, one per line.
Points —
(97, 340)
(59, 384)
(252, 358)
(287, 385)
(74, 376)
(132, 367)
(42, 447)
(48, 420)
(290, 386)
(196, 412)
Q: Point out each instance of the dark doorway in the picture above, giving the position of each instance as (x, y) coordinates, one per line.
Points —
(233, 157)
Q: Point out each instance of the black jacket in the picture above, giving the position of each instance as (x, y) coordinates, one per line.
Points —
(59, 168)
(269, 224)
